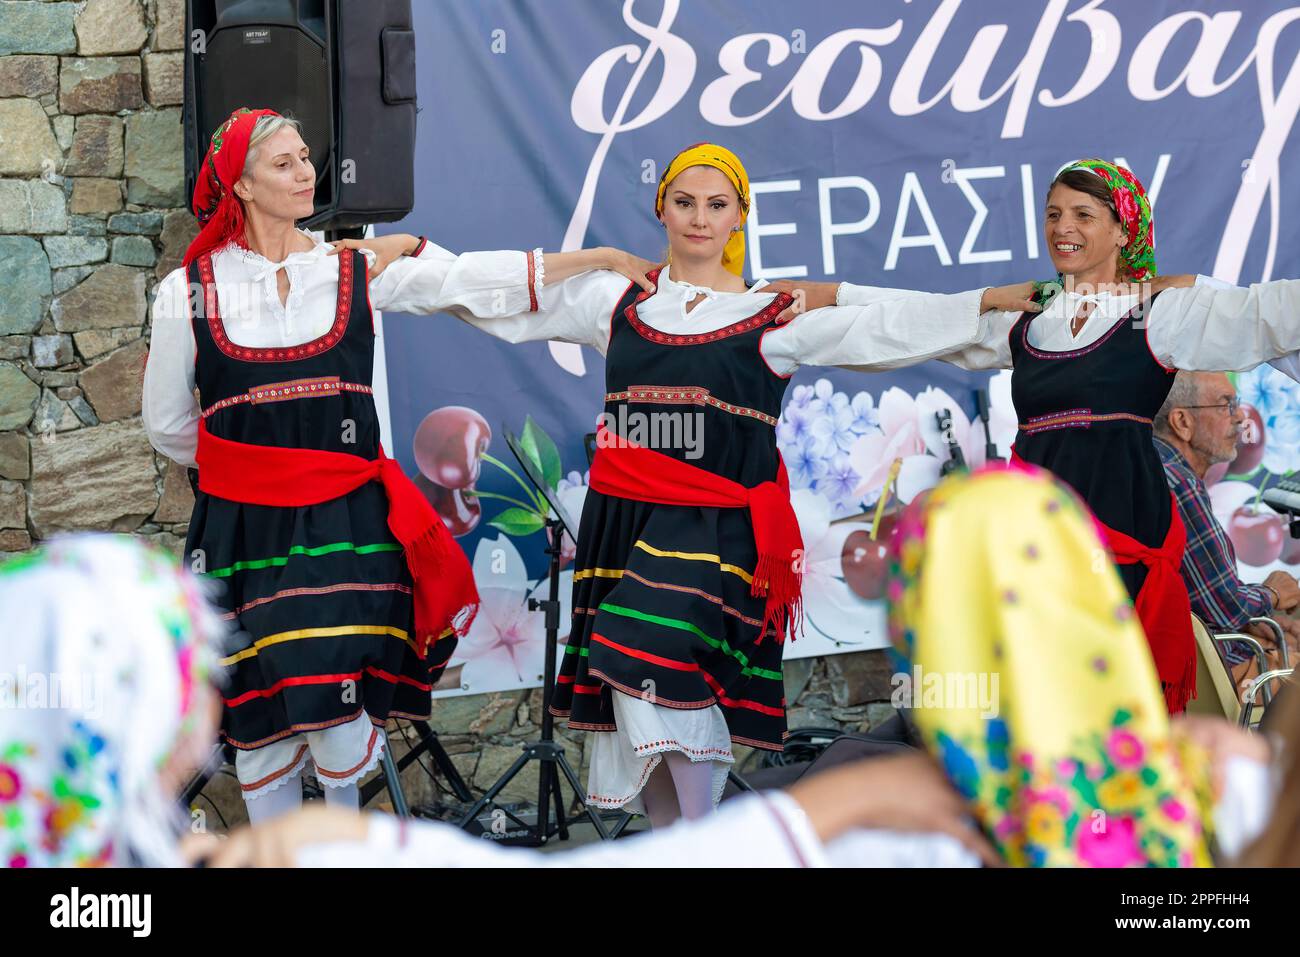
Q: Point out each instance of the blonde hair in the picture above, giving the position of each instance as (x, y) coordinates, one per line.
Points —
(263, 129)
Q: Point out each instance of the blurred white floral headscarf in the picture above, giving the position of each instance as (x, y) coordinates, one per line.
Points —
(107, 652)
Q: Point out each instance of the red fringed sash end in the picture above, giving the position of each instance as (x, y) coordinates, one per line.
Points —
(776, 578)
(1179, 693)
(778, 574)
(445, 595)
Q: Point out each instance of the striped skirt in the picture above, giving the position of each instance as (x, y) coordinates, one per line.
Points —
(321, 597)
(662, 611)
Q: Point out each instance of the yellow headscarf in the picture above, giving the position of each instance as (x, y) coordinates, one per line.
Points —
(710, 154)
(1036, 688)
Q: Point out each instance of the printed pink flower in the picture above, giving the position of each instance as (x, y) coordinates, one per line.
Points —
(873, 454)
(1116, 845)
(11, 785)
(1128, 176)
(1125, 749)
(504, 647)
(1173, 809)
(1127, 208)
(1054, 796)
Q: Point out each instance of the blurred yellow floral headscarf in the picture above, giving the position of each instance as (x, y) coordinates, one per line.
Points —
(720, 158)
(1069, 762)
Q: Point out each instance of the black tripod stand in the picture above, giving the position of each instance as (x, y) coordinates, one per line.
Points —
(544, 750)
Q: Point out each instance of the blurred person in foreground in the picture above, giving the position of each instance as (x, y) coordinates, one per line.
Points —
(1077, 763)
(105, 702)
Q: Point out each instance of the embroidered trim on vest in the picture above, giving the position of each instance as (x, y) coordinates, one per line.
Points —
(294, 389)
(685, 395)
(342, 308)
(1076, 419)
(1075, 353)
(760, 318)
(532, 280)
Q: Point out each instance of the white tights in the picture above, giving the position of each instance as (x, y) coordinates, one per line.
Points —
(678, 787)
(288, 797)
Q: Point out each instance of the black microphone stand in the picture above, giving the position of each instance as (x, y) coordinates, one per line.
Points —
(982, 408)
(545, 749)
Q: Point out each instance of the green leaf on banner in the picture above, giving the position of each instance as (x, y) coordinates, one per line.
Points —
(537, 445)
(518, 521)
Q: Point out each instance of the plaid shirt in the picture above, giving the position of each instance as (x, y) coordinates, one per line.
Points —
(1219, 598)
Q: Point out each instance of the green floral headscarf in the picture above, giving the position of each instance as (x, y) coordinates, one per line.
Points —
(1129, 198)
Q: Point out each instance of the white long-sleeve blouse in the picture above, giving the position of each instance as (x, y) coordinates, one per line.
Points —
(435, 280)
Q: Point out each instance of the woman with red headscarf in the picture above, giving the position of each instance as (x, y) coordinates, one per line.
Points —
(347, 588)
(1091, 369)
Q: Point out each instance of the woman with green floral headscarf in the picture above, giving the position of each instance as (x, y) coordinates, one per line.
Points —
(1092, 368)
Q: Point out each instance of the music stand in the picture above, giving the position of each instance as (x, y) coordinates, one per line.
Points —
(545, 749)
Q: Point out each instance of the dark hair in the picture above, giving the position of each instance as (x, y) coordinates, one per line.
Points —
(1083, 181)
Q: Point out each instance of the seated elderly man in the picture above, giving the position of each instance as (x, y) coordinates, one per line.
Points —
(1198, 426)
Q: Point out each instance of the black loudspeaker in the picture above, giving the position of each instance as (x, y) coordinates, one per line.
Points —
(344, 68)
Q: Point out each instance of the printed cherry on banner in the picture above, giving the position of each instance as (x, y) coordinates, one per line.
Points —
(449, 446)
(505, 644)
(1267, 452)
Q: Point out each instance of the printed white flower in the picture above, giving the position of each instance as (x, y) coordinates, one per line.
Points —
(909, 430)
(1003, 423)
(505, 644)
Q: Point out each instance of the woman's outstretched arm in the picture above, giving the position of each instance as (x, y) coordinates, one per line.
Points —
(516, 296)
(881, 329)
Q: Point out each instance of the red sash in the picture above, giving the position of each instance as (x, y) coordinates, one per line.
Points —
(444, 591)
(1163, 607)
(644, 475)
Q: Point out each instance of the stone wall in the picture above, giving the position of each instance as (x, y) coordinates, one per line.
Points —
(92, 215)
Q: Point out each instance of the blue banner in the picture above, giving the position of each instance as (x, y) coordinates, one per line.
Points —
(889, 143)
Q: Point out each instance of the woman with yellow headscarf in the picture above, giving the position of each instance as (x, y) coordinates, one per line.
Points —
(1064, 752)
(1032, 685)
(687, 573)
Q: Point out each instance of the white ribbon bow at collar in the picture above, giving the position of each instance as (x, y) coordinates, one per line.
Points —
(264, 269)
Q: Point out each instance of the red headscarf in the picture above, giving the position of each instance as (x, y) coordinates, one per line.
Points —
(215, 203)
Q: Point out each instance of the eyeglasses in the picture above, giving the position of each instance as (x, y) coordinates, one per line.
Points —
(1232, 405)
